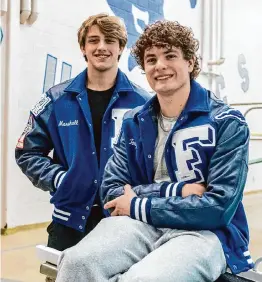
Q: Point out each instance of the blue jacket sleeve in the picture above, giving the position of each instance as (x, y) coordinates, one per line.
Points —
(225, 184)
(32, 151)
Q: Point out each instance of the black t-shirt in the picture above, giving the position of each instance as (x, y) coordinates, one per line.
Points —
(98, 102)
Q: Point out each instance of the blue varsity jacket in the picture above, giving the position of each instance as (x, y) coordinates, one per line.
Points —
(208, 144)
(61, 121)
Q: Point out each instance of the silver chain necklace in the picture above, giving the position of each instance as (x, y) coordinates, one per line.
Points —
(161, 122)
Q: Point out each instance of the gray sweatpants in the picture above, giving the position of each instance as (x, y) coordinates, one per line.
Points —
(123, 249)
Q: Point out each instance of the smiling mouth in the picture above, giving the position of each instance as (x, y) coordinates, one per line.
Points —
(102, 56)
(164, 77)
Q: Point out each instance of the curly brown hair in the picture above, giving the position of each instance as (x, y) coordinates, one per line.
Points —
(167, 34)
(108, 25)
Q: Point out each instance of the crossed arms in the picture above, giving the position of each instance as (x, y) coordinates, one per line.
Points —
(180, 205)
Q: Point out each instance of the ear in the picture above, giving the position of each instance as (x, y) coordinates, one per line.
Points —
(121, 49)
(83, 51)
(191, 64)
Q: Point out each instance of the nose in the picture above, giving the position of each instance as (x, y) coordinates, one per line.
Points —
(101, 45)
(160, 64)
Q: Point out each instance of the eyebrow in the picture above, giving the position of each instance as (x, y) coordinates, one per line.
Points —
(149, 55)
(165, 52)
(96, 36)
(92, 36)
(170, 51)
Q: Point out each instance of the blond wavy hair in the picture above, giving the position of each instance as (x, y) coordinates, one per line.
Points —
(108, 25)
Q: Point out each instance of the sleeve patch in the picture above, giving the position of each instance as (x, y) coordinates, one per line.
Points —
(41, 105)
(28, 129)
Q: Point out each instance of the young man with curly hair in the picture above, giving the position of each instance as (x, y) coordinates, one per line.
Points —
(175, 181)
(79, 119)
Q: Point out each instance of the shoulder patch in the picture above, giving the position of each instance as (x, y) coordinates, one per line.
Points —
(231, 113)
(41, 105)
(28, 129)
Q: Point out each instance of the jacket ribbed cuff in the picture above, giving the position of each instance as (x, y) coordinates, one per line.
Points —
(140, 209)
(171, 189)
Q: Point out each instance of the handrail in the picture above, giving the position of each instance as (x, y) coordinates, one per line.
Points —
(251, 109)
(253, 135)
(256, 134)
(258, 261)
(246, 104)
(255, 161)
(255, 106)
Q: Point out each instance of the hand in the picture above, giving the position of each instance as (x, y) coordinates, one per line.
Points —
(122, 204)
(193, 189)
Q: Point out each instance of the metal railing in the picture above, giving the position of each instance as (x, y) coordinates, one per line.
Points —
(255, 161)
(254, 106)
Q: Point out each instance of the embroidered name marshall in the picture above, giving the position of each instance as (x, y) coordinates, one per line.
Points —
(70, 123)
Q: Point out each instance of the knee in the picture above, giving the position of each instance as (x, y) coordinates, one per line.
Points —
(72, 265)
(74, 258)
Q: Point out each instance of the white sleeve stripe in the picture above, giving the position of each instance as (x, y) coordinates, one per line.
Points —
(143, 210)
(57, 177)
(168, 189)
(246, 254)
(137, 208)
(60, 180)
(174, 189)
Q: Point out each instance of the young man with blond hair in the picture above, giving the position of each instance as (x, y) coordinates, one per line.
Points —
(79, 119)
(175, 181)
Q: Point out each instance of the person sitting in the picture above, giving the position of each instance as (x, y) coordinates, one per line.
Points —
(175, 182)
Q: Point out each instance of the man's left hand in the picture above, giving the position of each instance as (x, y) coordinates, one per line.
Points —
(122, 204)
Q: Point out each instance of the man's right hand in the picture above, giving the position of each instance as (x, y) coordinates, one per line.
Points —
(193, 189)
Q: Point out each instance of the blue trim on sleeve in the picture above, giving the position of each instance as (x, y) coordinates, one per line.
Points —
(179, 188)
(171, 189)
(163, 189)
(140, 210)
(148, 209)
(132, 208)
